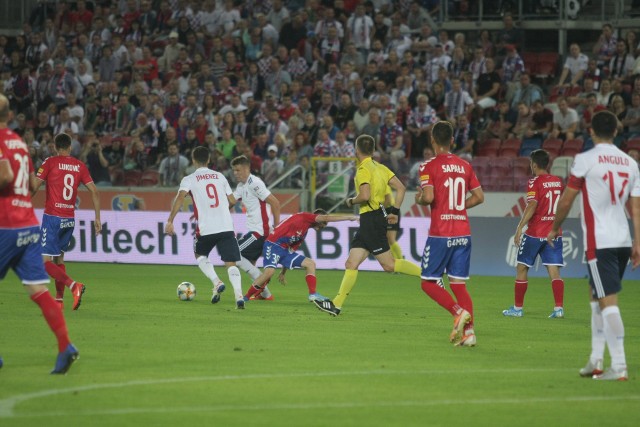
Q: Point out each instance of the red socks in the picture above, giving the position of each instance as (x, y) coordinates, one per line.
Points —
(60, 285)
(252, 291)
(459, 289)
(54, 317)
(58, 273)
(520, 290)
(440, 295)
(557, 286)
(311, 283)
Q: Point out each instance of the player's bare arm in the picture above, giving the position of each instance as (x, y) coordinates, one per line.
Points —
(281, 277)
(564, 206)
(6, 173)
(34, 183)
(336, 218)
(232, 200)
(363, 196)
(95, 198)
(175, 208)
(635, 217)
(400, 190)
(274, 203)
(526, 217)
(425, 196)
(476, 198)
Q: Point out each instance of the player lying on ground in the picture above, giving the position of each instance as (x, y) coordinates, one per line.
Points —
(281, 245)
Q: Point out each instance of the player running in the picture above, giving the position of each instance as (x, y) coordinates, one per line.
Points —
(444, 183)
(607, 178)
(212, 196)
(20, 235)
(63, 175)
(281, 246)
(255, 196)
(542, 200)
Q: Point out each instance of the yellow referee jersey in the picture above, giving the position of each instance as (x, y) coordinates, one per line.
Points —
(377, 176)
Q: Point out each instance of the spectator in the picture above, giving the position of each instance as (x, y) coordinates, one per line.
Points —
(605, 92)
(632, 119)
(420, 123)
(325, 146)
(391, 145)
(457, 101)
(574, 67)
(61, 84)
(605, 47)
(114, 154)
(272, 166)
(360, 27)
(525, 92)
(172, 168)
(565, 121)
(579, 101)
(501, 123)
(226, 146)
(97, 163)
(464, 138)
(590, 109)
(508, 36)
(621, 63)
(414, 181)
(488, 86)
(512, 66)
(541, 122)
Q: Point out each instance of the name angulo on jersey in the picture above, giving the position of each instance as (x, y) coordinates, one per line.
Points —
(458, 241)
(27, 237)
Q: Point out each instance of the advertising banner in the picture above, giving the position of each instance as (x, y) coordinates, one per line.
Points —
(138, 237)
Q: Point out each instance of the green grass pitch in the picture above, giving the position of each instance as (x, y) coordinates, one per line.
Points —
(148, 359)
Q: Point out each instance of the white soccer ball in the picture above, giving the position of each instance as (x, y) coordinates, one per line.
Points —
(186, 291)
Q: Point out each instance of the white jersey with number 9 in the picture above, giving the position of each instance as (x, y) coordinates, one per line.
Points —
(209, 190)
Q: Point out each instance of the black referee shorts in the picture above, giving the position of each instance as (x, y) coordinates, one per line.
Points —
(372, 234)
(225, 242)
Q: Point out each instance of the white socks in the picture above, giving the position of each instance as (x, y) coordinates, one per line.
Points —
(614, 334)
(597, 333)
(234, 278)
(249, 268)
(207, 269)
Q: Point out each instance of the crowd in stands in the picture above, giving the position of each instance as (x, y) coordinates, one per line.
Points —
(139, 83)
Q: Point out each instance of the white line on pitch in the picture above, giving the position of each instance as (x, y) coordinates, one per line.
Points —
(8, 404)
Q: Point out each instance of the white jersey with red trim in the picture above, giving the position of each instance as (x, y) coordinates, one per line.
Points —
(209, 190)
(607, 177)
(253, 194)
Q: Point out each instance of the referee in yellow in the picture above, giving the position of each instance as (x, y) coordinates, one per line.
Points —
(371, 182)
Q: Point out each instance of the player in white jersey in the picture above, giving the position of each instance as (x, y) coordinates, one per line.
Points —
(255, 196)
(607, 178)
(212, 196)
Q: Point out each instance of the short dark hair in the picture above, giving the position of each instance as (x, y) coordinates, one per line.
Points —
(604, 125)
(62, 141)
(240, 161)
(201, 155)
(442, 132)
(540, 158)
(366, 144)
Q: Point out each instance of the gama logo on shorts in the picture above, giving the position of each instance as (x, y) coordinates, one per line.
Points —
(126, 202)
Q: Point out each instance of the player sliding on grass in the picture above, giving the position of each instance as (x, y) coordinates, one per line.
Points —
(20, 247)
(212, 197)
(63, 175)
(371, 182)
(281, 245)
(543, 194)
(444, 183)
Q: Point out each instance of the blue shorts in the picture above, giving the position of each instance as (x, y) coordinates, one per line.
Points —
(531, 247)
(451, 255)
(21, 251)
(56, 234)
(274, 254)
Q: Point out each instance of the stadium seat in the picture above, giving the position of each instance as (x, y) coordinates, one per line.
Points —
(510, 147)
(562, 166)
(553, 146)
(521, 184)
(502, 167)
(489, 148)
(132, 178)
(528, 145)
(117, 177)
(571, 147)
(481, 165)
(521, 167)
(632, 144)
(150, 178)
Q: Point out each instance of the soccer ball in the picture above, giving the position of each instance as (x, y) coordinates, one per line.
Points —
(186, 291)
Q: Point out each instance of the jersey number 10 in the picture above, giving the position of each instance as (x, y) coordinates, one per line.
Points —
(457, 193)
